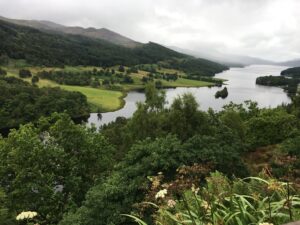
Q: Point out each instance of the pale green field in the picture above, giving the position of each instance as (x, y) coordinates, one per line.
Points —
(104, 100)
(181, 82)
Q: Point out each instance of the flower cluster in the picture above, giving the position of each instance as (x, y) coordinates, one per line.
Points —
(171, 203)
(161, 194)
(194, 189)
(26, 215)
(265, 224)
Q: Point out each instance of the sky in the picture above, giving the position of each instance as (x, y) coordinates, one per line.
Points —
(268, 29)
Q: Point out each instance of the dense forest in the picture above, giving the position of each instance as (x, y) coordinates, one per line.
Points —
(21, 102)
(292, 72)
(82, 176)
(289, 80)
(40, 48)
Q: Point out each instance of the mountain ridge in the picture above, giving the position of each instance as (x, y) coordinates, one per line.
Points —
(55, 49)
(91, 32)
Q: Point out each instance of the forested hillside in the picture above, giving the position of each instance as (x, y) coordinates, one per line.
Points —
(40, 48)
(292, 72)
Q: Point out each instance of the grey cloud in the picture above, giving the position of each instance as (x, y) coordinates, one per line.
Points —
(262, 28)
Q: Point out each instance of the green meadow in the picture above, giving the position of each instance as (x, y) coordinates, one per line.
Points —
(103, 98)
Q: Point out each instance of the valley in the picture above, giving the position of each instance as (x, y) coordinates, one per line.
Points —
(101, 128)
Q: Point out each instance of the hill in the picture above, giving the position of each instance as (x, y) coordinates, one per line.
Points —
(48, 49)
(102, 33)
(291, 63)
(291, 72)
(231, 60)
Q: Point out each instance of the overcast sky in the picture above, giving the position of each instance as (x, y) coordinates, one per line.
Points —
(263, 28)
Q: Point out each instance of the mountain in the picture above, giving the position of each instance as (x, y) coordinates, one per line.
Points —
(38, 47)
(227, 59)
(103, 33)
(291, 63)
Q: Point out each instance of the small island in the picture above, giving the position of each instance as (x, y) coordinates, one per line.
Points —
(222, 94)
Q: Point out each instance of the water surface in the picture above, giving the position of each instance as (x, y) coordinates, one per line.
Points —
(240, 84)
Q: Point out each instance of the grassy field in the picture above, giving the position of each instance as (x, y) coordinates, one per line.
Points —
(102, 99)
(181, 82)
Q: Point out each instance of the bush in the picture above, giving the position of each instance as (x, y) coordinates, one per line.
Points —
(23, 73)
(35, 79)
(243, 201)
(222, 94)
(2, 72)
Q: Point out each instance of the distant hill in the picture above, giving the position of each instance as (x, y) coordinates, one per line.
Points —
(102, 33)
(54, 49)
(227, 59)
(292, 63)
(291, 72)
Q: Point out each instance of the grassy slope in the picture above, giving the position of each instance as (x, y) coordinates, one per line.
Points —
(99, 99)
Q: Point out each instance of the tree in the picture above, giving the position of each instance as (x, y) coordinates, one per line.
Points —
(155, 99)
(2, 72)
(270, 127)
(233, 120)
(106, 82)
(121, 69)
(23, 73)
(21, 102)
(95, 83)
(185, 119)
(222, 94)
(158, 84)
(35, 79)
(127, 79)
(127, 184)
(49, 168)
(4, 59)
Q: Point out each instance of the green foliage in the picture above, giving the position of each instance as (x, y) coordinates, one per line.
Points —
(234, 121)
(49, 168)
(185, 119)
(23, 73)
(155, 99)
(67, 77)
(2, 72)
(222, 149)
(107, 201)
(222, 94)
(250, 201)
(197, 67)
(5, 217)
(35, 79)
(289, 84)
(41, 48)
(20, 102)
(270, 127)
(292, 72)
(4, 59)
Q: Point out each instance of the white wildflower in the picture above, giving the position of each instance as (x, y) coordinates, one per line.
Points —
(26, 215)
(205, 205)
(265, 224)
(161, 194)
(171, 203)
(194, 189)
